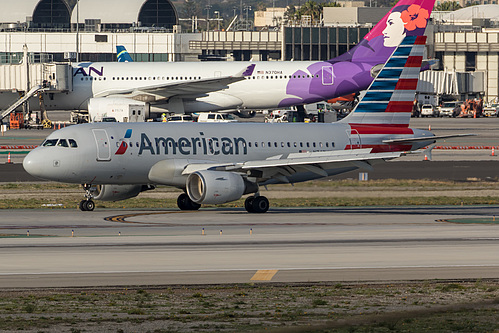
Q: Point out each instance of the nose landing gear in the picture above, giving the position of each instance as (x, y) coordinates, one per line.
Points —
(87, 205)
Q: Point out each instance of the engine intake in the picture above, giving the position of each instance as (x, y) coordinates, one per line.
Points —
(217, 187)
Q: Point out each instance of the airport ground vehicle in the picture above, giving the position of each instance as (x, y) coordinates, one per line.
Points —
(212, 117)
(428, 110)
(491, 110)
(450, 109)
(180, 118)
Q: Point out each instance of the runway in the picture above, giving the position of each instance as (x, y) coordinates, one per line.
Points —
(111, 247)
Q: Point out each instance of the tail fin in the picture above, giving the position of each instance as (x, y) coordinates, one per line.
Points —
(389, 99)
(122, 54)
(406, 18)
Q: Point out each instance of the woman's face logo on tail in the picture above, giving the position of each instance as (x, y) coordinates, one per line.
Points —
(400, 23)
(394, 32)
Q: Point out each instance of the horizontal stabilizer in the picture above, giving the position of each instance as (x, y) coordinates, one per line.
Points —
(428, 138)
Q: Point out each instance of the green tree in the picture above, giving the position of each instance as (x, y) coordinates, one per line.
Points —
(331, 4)
(311, 8)
(448, 6)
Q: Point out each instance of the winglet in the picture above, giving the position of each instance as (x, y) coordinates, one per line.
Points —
(248, 71)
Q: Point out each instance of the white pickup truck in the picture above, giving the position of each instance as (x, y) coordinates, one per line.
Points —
(215, 117)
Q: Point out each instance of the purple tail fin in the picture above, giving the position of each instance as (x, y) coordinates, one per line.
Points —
(406, 18)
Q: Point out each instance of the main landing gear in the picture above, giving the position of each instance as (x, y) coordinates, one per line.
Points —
(185, 203)
(256, 204)
(87, 205)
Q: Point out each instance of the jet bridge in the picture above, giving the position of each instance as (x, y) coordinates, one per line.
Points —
(33, 78)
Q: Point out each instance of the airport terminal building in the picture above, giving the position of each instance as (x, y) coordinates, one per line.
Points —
(466, 42)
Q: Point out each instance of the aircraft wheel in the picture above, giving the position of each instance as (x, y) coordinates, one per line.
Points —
(185, 203)
(248, 204)
(260, 204)
(87, 205)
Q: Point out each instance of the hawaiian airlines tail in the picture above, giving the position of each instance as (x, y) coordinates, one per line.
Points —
(122, 54)
(406, 18)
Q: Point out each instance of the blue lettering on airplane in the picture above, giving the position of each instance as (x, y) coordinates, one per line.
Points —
(192, 146)
(90, 69)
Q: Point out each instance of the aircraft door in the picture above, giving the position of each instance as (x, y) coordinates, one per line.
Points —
(354, 137)
(103, 145)
(327, 75)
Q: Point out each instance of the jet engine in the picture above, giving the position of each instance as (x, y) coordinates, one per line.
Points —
(117, 192)
(245, 114)
(217, 187)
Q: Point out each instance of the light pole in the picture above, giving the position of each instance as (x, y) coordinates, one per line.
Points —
(77, 31)
(208, 7)
(247, 8)
(218, 19)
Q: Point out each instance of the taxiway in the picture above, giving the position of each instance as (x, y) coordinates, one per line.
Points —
(107, 247)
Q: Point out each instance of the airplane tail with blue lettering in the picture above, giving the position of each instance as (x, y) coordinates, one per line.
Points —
(122, 54)
(406, 18)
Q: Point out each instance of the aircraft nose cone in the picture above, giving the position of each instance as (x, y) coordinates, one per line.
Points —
(32, 163)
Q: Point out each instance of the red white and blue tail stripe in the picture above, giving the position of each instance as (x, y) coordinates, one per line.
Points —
(389, 99)
(385, 110)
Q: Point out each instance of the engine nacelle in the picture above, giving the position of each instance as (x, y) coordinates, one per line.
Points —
(245, 114)
(117, 192)
(217, 187)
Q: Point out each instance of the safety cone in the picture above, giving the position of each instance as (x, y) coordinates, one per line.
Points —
(492, 154)
(9, 161)
(426, 157)
(429, 127)
(59, 126)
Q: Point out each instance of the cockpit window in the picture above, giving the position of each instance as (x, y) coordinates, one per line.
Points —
(62, 143)
(50, 143)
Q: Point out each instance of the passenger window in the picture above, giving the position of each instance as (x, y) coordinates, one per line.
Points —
(308, 144)
(289, 144)
(275, 144)
(249, 144)
(72, 143)
(332, 144)
(62, 143)
(313, 144)
(269, 144)
(295, 145)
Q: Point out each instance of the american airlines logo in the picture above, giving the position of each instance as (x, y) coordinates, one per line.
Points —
(123, 143)
(89, 71)
(192, 146)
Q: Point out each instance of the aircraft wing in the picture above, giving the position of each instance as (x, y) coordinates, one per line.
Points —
(190, 88)
(280, 166)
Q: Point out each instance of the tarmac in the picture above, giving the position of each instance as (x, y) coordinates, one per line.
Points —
(66, 247)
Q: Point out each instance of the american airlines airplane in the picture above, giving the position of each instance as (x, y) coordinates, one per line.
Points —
(216, 163)
(241, 86)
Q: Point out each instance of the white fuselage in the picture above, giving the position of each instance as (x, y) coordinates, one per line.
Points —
(122, 153)
(271, 84)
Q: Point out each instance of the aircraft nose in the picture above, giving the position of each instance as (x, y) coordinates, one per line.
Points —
(33, 163)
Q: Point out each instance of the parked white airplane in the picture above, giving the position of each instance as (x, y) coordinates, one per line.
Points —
(241, 86)
(218, 162)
